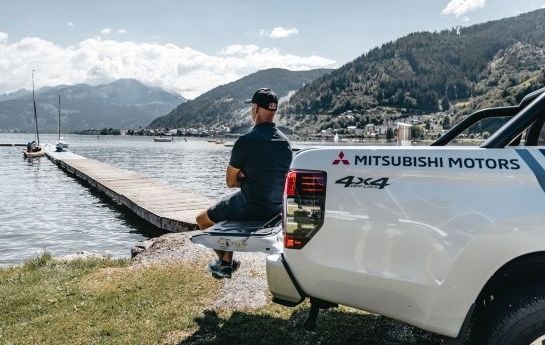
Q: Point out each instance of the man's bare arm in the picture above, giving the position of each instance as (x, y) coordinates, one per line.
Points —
(233, 176)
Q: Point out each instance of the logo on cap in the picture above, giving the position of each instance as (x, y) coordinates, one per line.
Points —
(272, 106)
(341, 159)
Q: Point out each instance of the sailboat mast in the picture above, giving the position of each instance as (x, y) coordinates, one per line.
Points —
(59, 117)
(35, 115)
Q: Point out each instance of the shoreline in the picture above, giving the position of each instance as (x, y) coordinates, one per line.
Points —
(247, 289)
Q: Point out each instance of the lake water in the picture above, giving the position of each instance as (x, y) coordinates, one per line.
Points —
(42, 208)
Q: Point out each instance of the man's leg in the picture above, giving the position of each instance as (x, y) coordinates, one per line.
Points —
(227, 256)
(204, 222)
(218, 269)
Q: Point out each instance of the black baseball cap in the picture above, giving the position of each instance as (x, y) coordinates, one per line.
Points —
(265, 98)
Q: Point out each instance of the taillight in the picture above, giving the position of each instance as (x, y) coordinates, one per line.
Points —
(304, 206)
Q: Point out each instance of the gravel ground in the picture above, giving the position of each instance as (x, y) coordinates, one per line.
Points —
(247, 288)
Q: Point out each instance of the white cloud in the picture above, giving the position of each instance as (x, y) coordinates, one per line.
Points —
(239, 49)
(461, 7)
(542, 6)
(281, 32)
(122, 31)
(106, 31)
(70, 24)
(95, 60)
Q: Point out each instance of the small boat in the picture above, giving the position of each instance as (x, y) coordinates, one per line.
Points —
(220, 142)
(34, 154)
(34, 149)
(163, 139)
(229, 144)
(61, 144)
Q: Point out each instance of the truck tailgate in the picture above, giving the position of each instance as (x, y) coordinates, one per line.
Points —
(243, 236)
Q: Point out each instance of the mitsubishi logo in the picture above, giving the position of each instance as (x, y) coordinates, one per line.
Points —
(341, 159)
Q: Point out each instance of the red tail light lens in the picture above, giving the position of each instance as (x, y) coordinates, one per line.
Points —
(290, 183)
(304, 206)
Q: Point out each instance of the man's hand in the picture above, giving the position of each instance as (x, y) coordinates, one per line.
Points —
(233, 176)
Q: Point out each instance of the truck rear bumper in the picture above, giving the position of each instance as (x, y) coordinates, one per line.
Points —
(282, 283)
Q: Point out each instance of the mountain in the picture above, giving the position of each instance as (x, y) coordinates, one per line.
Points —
(453, 70)
(508, 77)
(224, 105)
(124, 103)
(15, 94)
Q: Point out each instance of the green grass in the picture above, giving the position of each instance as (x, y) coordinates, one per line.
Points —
(100, 302)
(105, 301)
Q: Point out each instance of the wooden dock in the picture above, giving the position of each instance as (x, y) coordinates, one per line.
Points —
(167, 207)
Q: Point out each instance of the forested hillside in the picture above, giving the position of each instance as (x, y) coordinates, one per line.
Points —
(429, 72)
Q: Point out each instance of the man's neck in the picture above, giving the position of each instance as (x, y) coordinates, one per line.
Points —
(260, 121)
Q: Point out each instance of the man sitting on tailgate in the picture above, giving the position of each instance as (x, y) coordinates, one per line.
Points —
(259, 163)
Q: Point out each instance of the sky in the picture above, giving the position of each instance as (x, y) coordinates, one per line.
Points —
(192, 46)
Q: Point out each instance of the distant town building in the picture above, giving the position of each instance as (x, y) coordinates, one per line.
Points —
(403, 134)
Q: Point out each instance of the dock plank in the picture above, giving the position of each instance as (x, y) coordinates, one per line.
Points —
(163, 205)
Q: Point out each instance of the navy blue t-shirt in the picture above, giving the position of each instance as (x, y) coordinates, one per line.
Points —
(264, 156)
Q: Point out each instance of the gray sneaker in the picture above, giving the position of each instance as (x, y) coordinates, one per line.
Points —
(214, 265)
(222, 271)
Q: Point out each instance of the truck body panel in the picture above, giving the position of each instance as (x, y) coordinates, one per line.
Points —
(414, 233)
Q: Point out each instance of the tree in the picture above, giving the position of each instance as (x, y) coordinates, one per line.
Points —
(428, 125)
(389, 134)
(417, 132)
(446, 122)
(445, 104)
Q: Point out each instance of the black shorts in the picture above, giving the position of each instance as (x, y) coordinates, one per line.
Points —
(234, 207)
(228, 207)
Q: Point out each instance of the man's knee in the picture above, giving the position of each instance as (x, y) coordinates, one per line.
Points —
(203, 221)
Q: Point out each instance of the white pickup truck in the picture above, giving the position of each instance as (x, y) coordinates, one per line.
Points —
(450, 239)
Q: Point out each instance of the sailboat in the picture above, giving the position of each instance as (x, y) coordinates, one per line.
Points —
(61, 144)
(33, 148)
